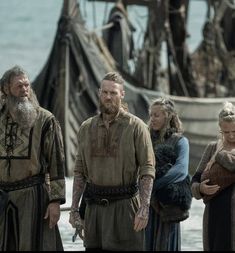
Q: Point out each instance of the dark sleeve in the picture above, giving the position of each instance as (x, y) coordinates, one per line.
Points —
(206, 156)
(53, 149)
(196, 178)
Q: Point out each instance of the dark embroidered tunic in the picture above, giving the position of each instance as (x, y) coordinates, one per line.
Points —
(26, 156)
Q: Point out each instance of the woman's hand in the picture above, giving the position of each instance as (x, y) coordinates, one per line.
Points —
(208, 189)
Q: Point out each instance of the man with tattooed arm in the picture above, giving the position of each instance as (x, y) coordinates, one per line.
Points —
(114, 172)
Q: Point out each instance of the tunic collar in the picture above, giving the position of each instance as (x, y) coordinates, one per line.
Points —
(118, 116)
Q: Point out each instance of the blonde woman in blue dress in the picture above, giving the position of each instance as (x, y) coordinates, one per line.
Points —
(172, 158)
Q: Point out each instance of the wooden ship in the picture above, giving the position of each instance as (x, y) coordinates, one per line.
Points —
(198, 83)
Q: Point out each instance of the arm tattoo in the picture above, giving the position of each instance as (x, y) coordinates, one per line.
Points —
(146, 185)
(79, 183)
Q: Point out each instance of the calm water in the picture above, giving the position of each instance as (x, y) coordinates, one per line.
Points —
(28, 27)
(191, 229)
(27, 30)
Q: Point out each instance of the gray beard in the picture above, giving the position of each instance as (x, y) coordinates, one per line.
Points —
(22, 110)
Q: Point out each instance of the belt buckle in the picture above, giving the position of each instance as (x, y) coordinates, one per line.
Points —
(104, 202)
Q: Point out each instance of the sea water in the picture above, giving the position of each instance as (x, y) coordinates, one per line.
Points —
(28, 28)
(27, 32)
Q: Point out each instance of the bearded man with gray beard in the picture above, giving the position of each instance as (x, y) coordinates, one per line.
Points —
(32, 166)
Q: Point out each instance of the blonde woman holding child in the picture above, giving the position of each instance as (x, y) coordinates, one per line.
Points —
(214, 182)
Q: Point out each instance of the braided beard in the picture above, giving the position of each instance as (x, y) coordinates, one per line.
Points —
(22, 110)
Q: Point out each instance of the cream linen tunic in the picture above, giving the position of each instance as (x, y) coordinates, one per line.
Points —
(115, 156)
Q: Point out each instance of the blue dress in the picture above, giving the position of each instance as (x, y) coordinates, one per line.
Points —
(161, 235)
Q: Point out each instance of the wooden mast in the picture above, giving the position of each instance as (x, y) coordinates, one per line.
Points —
(63, 80)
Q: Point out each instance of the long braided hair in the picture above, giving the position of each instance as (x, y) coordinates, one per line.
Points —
(172, 124)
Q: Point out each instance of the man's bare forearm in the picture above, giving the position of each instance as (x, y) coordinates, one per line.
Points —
(146, 185)
(79, 183)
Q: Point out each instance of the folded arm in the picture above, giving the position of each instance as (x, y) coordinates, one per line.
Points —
(180, 169)
(196, 179)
